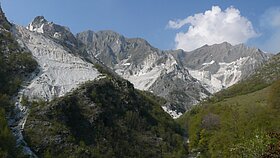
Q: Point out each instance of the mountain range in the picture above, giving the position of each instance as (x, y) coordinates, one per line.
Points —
(94, 94)
(183, 78)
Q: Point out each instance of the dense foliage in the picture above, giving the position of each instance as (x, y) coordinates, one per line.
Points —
(7, 142)
(15, 65)
(104, 118)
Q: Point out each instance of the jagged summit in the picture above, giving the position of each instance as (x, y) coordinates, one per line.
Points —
(108, 36)
(37, 25)
(60, 33)
(41, 24)
(221, 65)
(39, 20)
(225, 43)
(223, 52)
(147, 67)
(181, 77)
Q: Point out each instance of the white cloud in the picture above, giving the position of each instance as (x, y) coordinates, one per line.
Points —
(177, 24)
(211, 27)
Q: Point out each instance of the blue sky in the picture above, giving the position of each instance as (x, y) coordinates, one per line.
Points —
(147, 19)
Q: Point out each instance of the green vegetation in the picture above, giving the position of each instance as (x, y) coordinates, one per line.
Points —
(104, 118)
(234, 125)
(15, 65)
(274, 96)
(7, 142)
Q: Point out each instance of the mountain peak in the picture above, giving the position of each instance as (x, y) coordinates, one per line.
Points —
(37, 24)
(223, 45)
(60, 33)
(39, 19)
(226, 44)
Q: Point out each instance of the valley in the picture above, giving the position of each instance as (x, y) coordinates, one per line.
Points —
(101, 94)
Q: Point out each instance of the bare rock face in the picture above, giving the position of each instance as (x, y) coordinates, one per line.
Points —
(221, 65)
(60, 34)
(60, 70)
(148, 68)
(182, 78)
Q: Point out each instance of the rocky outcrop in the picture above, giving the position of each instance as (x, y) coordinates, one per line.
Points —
(148, 68)
(221, 65)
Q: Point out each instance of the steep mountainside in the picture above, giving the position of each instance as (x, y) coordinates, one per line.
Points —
(146, 67)
(60, 34)
(263, 77)
(241, 120)
(16, 66)
(183, 78)
(221, 65)
(104, 118)
(60, 70)
(173, 74)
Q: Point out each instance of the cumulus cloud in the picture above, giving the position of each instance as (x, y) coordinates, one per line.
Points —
(211, 27)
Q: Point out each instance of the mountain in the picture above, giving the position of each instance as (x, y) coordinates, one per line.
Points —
(241, 120)
(220, 66)
(183, 78)
(124, 116)
(148, 68)
(103, 118)
(264, 76)
(60, 69)
(57, 32)
(63, 95)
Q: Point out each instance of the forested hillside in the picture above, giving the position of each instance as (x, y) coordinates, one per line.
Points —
(15, 65)
(104, 118)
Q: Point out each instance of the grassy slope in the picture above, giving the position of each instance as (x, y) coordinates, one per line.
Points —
(235, 126)
(240, 125)
(237, 121)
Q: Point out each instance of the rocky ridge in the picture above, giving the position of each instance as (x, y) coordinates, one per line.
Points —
(183, 78)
